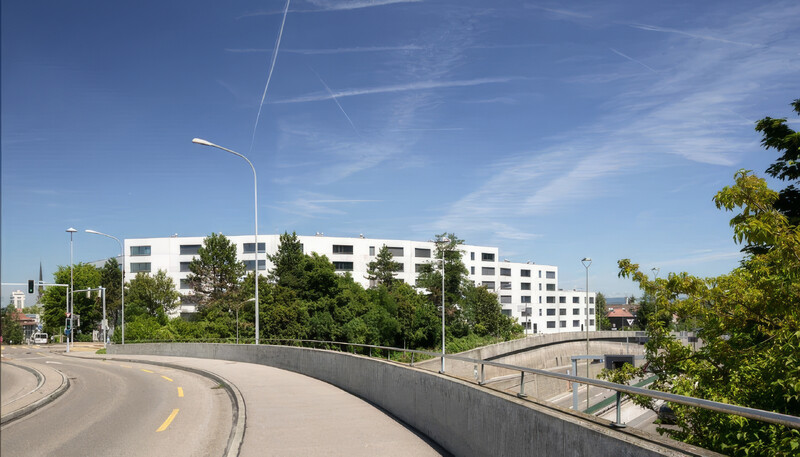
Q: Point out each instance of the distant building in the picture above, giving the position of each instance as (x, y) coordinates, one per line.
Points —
(18, 299)
(526, 291)
(620, 319)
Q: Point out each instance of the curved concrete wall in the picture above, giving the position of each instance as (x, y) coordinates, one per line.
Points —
(465, 419)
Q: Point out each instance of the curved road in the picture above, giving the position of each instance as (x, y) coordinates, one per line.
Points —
(120, 409)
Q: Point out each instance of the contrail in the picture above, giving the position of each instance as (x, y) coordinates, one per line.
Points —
(631, 59)
(269, 76)
(337, 102)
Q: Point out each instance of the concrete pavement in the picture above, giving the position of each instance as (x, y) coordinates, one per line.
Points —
(292, 414)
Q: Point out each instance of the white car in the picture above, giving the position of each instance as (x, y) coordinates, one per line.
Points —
(39, 338)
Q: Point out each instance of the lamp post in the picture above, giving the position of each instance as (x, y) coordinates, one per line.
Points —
(255, 187)
(122, 283)
(71, 292)
(655, 271)
(443, 240)
(587, 261)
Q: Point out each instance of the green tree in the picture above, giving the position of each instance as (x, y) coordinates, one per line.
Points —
(749, 322)
(455, 276)
(601, 312)
(777, 134)
(216, 273)
(288, 262)
(382, 269)
(10, 328)
(152, 295)
(111, 279)
(85, 276)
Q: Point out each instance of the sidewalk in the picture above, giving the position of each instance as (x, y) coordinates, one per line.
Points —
(51, 383)
(292, 414)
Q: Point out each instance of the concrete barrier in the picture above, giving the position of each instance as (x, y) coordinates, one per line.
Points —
(465, 419)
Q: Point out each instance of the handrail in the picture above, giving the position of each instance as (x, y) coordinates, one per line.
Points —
(743, 411)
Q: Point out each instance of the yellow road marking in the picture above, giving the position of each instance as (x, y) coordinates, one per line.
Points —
(146, 371)
(168, 421)
(125, 366)
(170, 380)
(180, 391)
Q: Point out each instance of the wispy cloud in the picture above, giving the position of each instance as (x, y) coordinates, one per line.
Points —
(331, 51)
(310, 204)
(632, 59)
(559, 12)
(654, 28)
(320, 6)
(696, 258)
(415, 86)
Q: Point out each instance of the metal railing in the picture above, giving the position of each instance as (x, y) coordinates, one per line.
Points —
(743, 411)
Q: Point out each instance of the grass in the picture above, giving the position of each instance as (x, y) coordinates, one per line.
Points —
(101, 351)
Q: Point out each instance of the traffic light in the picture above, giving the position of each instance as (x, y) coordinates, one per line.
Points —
(30, 286)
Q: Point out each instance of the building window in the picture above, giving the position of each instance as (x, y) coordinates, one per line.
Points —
(250, 264)
(526, 286)
(505, 299)
(140, 250)
(591, 322)
(551, 324)
(396, 252)
(576, 299)
(400, 267)
(343, 266)
(540, 299)
(185, 284)
(472, 270)
(563, 324)
(505, 285)
(540, 312)
(506, 312)
(421, 252)
(591, 300)
(576, 311)
(562, 299)
(487, 271)
(505, 272)
(550, 275)
(576, 323)
(551, 299)
(487, 257)
(525, 299)
(562, 312)
(418, 267)
(551, 287)
(540, 273)
(372, 250)
(591, 311)
(140, 267)
(488, 284)
(190, 249)
(250, 248)
(185, 266)
(342, 249)
(551, 311)
(471, 256)
(525, 273)
(540, 286)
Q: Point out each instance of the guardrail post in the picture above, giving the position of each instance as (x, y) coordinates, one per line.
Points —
(412, 359)
(483, 373)
(619, 423)
(575, 386)
(521, 393)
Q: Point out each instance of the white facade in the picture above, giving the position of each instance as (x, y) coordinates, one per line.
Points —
(519, 286)
(18, 299)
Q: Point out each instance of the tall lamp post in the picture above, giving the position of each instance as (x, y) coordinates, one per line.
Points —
(71, 293)
(443, 240)
(255, 187)
(586, 261)
(122, 283)
(655, 271)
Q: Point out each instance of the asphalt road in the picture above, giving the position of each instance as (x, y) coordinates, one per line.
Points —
(120, 409)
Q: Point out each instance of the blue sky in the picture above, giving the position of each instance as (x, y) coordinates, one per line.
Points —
(553, 130)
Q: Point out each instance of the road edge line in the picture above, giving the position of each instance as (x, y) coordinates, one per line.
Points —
(27, 409)
(236, 436)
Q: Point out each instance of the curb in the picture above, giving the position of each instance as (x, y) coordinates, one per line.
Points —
(236, 436)
(27, 409)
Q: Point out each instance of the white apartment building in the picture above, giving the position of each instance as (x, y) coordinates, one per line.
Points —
(528, 292)
(18, 299)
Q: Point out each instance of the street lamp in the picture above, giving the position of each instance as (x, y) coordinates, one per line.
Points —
(255, 187)
(587, 261)
(71, 335)
(443, 240)
(655, 271)
(122, 284)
